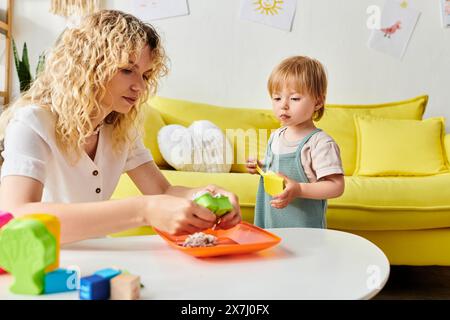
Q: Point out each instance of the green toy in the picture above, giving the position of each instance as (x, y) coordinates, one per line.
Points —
(219, 204)
(207, 200)
(224, 205)
(26, 249)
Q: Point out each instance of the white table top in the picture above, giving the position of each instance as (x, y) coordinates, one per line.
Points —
(306, 264)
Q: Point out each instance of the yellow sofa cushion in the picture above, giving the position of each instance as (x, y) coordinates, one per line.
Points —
(389, 147)
(392, 203)
(255, 124)
(243, 184)
(368, 203)
(338, 122)
(411, 247)
(152, 123)
(447, 146)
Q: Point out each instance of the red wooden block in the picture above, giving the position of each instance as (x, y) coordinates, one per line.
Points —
(5, 217)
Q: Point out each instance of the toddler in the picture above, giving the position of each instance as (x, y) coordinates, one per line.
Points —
(305, 156)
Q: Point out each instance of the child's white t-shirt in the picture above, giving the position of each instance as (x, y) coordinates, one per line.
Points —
(320, 156)
(30, 150)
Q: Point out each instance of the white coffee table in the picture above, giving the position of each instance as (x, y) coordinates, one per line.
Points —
(306, 264)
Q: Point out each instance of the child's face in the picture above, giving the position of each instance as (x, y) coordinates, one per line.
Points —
(293, 108)
(128, 84)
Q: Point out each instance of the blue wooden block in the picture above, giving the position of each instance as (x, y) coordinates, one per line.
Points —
(108, 273)
(60, 280)
(94, 288)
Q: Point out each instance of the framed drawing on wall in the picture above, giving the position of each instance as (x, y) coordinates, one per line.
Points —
(445, 13)
(5, 51)
(2, 67)
(397, 27)
(149, 10)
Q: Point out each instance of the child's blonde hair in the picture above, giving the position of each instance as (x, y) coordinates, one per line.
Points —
(77, 70)
(307, 75)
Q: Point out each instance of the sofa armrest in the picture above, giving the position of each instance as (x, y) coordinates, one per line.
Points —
(447, 145)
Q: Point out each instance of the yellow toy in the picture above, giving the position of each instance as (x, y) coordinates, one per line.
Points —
(273, 183)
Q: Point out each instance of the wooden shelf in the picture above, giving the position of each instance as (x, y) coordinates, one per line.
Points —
(4, 26)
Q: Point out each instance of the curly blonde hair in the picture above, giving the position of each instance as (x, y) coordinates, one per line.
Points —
(308, 76)
(82, 62)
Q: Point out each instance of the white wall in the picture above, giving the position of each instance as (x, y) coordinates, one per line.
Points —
(218, 58)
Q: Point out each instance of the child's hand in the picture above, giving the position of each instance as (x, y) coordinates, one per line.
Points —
(292, 191)
(251, 165)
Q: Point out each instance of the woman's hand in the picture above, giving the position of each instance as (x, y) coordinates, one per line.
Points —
(232, 218)
(293, 190)
(177, 215)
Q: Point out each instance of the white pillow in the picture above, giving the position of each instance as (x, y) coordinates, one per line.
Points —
(202, 147)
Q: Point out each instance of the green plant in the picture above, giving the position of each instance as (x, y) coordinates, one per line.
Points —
(23, 66)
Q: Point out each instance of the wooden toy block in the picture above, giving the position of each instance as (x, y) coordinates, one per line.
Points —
(53, 225)
(26, 249)
(127, 272)
(108, 273)
(5, 217)
(125, 287)
(94, 288)
(60, 280)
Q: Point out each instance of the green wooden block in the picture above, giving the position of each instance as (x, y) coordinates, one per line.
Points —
(208, 201)
(219, 204)
(223, 205)
(26, 249)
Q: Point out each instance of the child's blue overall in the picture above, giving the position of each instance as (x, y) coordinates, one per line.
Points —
(308, 213)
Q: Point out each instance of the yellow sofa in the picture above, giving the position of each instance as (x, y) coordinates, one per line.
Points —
(407, 217)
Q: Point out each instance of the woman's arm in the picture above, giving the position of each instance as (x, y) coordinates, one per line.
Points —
(21, 195)
(150, 181)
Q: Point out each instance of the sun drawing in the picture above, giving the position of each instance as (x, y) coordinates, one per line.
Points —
(271, 7)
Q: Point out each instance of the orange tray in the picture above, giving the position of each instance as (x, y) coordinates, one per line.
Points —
(242, 238)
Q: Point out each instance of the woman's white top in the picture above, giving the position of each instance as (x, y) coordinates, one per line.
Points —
(30, 150)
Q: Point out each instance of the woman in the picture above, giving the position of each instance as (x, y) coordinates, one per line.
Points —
(68, 139)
